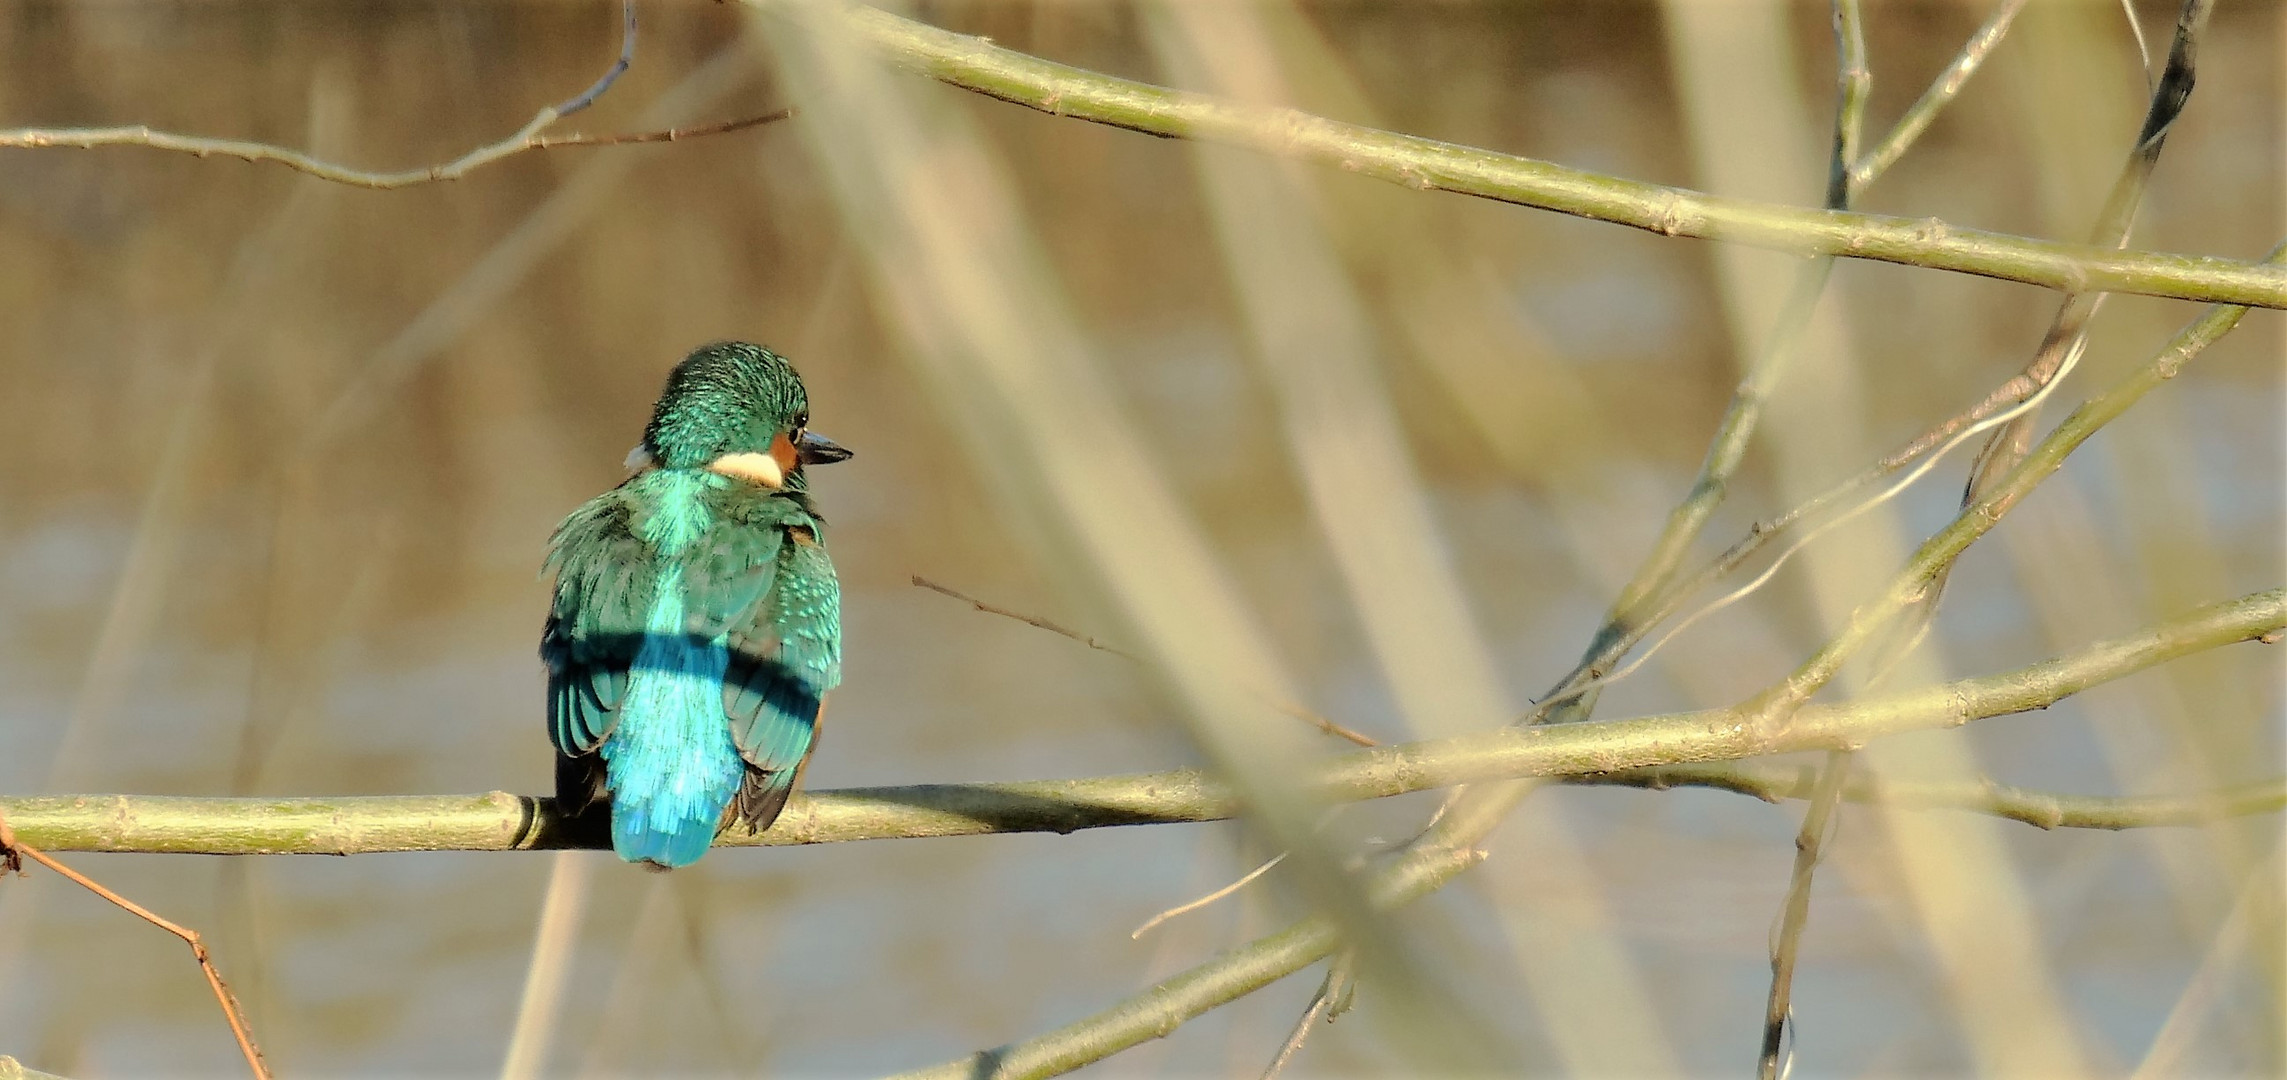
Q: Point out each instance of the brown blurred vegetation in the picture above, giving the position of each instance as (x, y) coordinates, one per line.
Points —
(278, 458)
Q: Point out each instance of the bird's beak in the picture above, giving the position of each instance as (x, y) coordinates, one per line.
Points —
(816, 449)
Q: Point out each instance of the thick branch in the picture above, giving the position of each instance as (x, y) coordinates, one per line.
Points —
(975, 64)
(499, 821)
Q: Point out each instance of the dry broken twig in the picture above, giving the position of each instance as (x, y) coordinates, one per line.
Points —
(12, 854)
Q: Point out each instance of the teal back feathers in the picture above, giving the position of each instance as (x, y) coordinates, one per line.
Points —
(696, 627)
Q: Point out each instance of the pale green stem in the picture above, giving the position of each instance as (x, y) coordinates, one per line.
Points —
(977, 65)
(498, 821)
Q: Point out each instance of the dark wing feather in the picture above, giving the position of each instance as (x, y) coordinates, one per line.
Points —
(786, 653)
(763, 586)
(604, 583)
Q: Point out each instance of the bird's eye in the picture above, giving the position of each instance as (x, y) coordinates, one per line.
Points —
(801, 421)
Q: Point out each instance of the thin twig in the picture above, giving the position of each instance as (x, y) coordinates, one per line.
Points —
(1028, 620)
(526, 138)
(1941, 92)
(13, 851)
(1319, 1003)
(529, 137)
(2136, 30)
(546, 142)
(619, 67)
(2040, 809)
(2069, 333)
(2005, 477)
(1850, 46)
(1290, 708)
(1856, 510)
(2015, 399)
(1194, 905)
(1653, 595)
(1810, 846)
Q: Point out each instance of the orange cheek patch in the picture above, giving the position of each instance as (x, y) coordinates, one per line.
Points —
(783, 452)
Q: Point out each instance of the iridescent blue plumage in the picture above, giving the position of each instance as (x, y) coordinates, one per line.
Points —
(697, 621)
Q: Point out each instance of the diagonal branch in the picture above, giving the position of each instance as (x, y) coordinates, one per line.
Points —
(619, 67)
(1441, 852)
(1937, 554)
(1941, 92)
(977, 65)
(14, 850)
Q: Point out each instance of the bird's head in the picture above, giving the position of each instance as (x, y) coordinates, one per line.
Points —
(736, 409)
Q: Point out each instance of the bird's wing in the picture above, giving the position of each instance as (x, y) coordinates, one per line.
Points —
(785, 654)
(605, 580)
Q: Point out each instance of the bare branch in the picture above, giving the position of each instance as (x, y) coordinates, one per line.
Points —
(13, 851)
(619, 67)
(1194, 905)
(696, 131)
(977, 65)
(498, 821)
(1810, 844)
(528, 137)
(1320, 1002)
(1028, 620)
(1432, 859)
(1938, 553)
(2040, 809)
(1948, 85)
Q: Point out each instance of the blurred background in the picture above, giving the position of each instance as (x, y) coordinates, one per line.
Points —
(278, 460)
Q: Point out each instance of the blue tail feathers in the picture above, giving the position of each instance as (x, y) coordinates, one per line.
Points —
(670, 764)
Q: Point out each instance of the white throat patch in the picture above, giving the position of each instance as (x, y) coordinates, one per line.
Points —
(759, 468)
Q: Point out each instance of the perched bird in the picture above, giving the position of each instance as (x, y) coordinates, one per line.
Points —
(697, 623)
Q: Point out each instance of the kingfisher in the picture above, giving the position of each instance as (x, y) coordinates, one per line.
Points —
(697, 622)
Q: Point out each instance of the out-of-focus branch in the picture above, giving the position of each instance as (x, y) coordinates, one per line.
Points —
(1622, 634)
(12, 1069)
(1772, 782)
(1231, 974)
(2068, 332)
(1332, 999)
(528, 137)
(1941, 92)
(977, 65)
(499, 821)
(1438, 853)
(1655, 593)
(1794, 914)
(619, 67)
(12, 853)
(674, 134)
(2005, 491)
